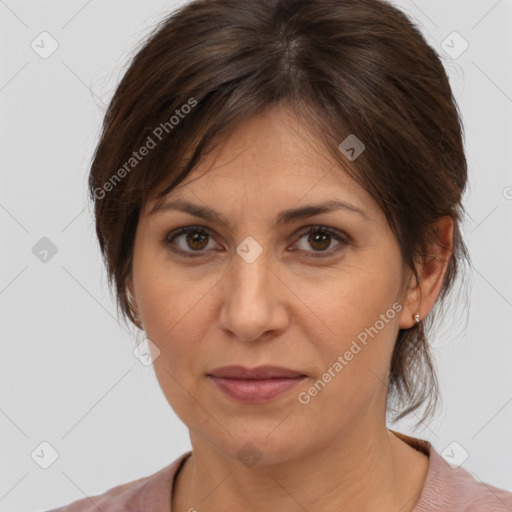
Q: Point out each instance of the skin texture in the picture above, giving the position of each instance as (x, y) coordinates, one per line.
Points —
(286, 308)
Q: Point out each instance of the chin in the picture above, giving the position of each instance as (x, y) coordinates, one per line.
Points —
(257, 447)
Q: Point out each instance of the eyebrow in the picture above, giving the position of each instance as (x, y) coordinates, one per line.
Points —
(283, 217)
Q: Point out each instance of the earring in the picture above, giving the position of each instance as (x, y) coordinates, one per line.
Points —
(416, 318)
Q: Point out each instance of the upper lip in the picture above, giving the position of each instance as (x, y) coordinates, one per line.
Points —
(259, 372)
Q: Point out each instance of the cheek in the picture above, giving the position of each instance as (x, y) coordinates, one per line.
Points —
(356, 361)
(362, 314)
(174, 318)
(167, 297)
(176, 313)
(352, 300)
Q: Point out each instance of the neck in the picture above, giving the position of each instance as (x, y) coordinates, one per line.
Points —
(364, 470)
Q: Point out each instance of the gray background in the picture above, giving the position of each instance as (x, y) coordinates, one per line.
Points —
(68, 373)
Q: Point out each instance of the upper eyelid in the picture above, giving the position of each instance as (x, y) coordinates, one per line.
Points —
(210, 231)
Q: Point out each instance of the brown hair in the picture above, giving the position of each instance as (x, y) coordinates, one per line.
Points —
(344, 67)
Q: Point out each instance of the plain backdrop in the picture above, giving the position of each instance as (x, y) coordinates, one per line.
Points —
(69, 378)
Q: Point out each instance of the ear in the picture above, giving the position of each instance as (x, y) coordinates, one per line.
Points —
(421, 297)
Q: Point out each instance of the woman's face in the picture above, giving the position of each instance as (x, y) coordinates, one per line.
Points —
(259, 292)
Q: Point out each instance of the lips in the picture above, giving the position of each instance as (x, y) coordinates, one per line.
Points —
(255, 385)
(260, 372)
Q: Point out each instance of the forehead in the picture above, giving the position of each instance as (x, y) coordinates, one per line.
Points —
(270, 156)
(272, 144)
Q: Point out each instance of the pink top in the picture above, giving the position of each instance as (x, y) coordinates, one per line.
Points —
(446, 489)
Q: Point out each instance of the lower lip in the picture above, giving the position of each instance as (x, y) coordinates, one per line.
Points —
(254, 391)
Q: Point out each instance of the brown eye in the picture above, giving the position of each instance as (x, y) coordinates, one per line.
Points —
(196, 240)
(192, 239)
(320, 238)
(319, 241)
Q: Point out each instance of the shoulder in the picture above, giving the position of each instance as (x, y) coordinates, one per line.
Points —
(151, 492)
(456, 489)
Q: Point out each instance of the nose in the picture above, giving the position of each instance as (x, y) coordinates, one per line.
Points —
(253, 300)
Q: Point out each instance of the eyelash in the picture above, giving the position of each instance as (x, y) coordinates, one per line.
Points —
(338, 236)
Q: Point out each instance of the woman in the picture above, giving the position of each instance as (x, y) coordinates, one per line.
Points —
(277, 196)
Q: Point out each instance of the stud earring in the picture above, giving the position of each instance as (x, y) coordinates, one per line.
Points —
(416, 318)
